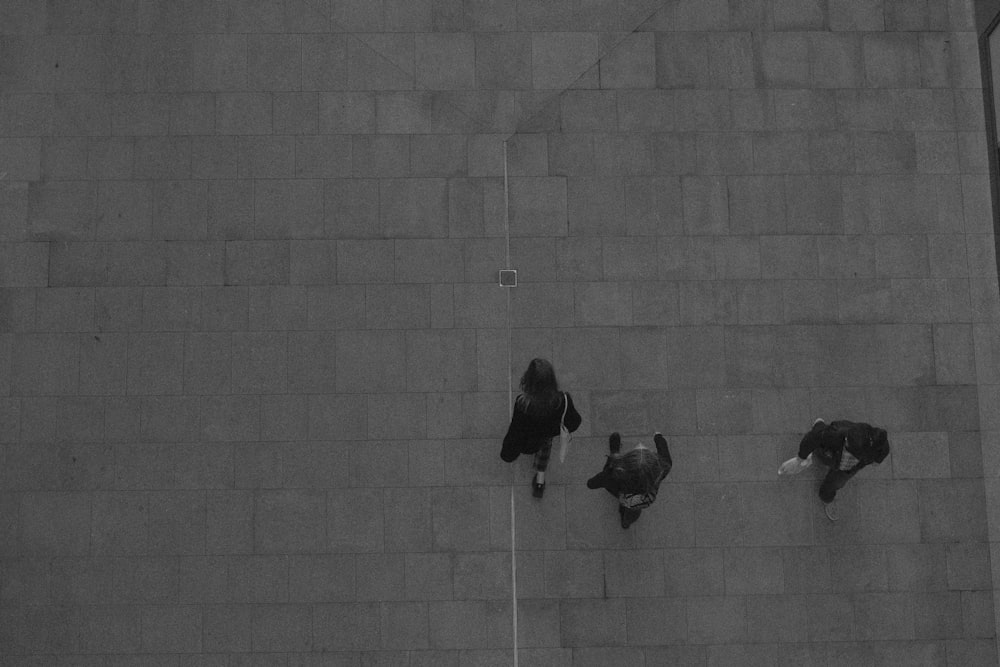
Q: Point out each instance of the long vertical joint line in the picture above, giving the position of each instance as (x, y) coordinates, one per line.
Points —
(510, 370)
(506, 204)
(510, 410)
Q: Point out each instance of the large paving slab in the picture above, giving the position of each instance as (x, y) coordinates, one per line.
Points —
(255, 363)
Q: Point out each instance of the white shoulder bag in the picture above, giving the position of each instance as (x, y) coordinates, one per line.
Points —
(565, 437)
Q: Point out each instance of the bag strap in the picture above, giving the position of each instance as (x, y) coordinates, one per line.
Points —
(565, 408)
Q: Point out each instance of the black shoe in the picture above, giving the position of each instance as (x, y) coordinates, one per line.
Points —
(615, 442)
(537, 488)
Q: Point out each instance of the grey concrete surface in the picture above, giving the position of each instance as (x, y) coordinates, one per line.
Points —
(254, 359)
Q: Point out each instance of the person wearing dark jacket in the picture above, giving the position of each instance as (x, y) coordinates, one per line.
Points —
(845, 447)
(539, 411)
(634, 477)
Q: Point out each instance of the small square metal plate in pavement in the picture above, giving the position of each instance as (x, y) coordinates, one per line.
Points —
(508, 277)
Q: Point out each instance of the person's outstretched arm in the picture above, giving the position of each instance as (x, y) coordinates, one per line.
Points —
(811, 440)
(509, 451)
(663, 451)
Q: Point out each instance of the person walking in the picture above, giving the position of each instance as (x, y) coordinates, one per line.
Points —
(539, 412)
(634, 477)
(843, 446)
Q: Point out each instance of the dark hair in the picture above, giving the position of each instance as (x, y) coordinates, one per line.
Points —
(539, 389)
(637, 470)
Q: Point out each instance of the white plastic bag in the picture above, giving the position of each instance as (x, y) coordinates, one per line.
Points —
(565, 437)
(795, 465)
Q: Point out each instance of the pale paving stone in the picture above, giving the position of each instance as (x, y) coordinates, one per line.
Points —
(414, 207)
(347, 112)
(503, 60)
(595, 206)
(527, 155)
(592, 622)
(445, 61)
(630, 64)
(705, 205)
(837, 59)
(429, 576)
(423, 261)
(407, 112)
(558, 58)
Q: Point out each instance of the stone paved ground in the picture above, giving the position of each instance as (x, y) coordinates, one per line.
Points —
(253, 357)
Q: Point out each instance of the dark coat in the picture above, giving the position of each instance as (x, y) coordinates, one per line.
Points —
(867, 443)
(634, 477)
(527, 433)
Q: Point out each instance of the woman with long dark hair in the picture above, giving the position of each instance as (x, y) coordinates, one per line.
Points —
(539, 411)
(634, 477)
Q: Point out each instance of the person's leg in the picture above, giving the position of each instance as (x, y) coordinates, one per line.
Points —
(628, 515)
(541, 464)
(833, 482)
(542, 456)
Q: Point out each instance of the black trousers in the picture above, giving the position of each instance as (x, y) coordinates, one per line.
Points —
(833, 482)
(835, 478)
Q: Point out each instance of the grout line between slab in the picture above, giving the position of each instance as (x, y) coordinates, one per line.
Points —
(510, 410)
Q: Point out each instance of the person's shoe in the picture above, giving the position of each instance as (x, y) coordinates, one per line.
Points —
(830, 509)
(537, 488)
(615, 442)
